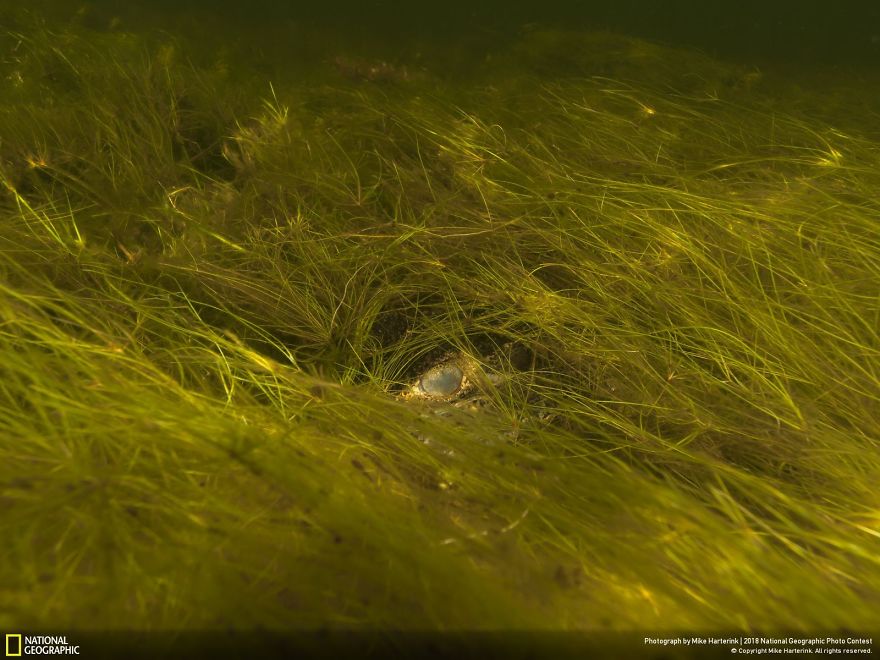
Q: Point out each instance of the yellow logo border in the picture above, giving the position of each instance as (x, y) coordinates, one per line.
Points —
(10, 636)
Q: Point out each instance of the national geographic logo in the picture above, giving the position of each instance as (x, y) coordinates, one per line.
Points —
(18, 645)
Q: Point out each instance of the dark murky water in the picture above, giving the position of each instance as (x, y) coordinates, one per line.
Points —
(790, 33)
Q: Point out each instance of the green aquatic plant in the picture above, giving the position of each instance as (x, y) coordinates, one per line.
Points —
(212, 300)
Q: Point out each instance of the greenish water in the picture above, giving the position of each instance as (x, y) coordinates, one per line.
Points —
(784, 33)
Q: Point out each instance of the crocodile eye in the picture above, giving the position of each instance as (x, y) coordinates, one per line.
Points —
(443, 380)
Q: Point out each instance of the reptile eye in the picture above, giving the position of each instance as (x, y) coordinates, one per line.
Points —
(443, 380)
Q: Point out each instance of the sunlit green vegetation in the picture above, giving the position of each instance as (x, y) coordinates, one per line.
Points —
(214, 283)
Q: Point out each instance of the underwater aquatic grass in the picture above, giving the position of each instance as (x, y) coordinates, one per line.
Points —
(210, 302)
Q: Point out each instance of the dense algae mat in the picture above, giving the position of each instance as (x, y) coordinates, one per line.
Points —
(215, 291)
